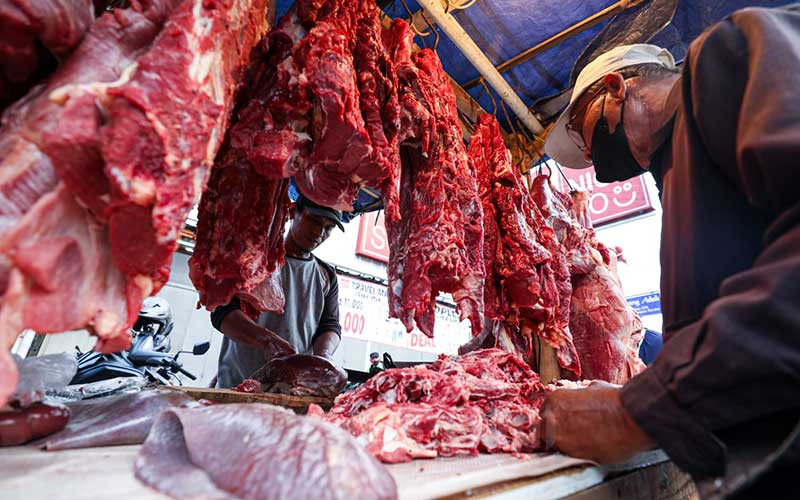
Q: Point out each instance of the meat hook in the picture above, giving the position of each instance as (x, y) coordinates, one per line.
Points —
(489, 93)
(414, 29)
(432, 28)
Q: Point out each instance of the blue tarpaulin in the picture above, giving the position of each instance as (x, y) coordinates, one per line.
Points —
(505, 28)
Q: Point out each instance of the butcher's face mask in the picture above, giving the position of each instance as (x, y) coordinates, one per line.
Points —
(611, 154)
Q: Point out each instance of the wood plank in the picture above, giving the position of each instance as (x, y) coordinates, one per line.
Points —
(658, 482)
(298, 404)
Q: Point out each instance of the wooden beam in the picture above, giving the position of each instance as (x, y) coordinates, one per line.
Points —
(554, 40)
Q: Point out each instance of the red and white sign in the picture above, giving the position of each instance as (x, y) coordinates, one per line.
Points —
(372, 240)
(364, 315)
(609, 202)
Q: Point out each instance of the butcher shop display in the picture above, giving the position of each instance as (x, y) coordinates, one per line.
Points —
(134, 118)
(484, 401)
(257, 451)
(315, 109)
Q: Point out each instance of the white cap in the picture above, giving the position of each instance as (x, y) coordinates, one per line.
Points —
(558, 145)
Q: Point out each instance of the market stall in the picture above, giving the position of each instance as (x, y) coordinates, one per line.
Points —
(244, 132)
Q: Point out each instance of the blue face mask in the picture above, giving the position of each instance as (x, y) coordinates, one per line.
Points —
(611, 153)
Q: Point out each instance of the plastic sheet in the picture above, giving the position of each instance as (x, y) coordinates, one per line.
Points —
(40, 374)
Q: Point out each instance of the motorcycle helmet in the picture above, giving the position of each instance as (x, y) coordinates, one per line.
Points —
(155, 318)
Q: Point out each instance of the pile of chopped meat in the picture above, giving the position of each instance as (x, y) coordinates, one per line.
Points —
(528, 285)
(134, 117)
(485, 401)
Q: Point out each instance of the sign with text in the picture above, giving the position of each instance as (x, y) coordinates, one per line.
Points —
(364, 315)
(609, 202)
(646, 303)
(372, 241)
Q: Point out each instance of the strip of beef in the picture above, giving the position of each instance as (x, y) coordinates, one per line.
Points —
(34, 35)
(528, 286)
(436, 229)
(606, 330)
(242, 214)
(487, 400)
(50, 248)
(257, 451)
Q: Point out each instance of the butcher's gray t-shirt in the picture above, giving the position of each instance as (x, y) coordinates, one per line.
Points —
(312, 307)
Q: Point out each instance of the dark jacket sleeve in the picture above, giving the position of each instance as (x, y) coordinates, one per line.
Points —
(740, 362)
(329, 321)
(219, 314)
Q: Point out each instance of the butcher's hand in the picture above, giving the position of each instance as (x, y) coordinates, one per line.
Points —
(239, 327)
(591, 423)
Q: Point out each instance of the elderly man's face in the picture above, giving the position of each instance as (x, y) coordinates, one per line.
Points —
(604, 98)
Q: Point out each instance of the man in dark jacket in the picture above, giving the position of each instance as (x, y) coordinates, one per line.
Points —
(722, 139)
(310, 320)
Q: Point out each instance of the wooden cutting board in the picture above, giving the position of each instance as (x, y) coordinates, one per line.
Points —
(298, 404)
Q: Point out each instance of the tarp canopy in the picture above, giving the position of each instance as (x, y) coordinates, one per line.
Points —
(505, 28)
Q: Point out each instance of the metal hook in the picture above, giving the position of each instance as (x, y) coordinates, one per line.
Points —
(561, 171)
(413, 28)
(432, 28)
(489, 93)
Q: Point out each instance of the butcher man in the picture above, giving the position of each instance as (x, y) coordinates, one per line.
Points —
(722, 139)
(310, 321)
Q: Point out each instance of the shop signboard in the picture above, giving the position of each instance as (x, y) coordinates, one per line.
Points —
(372, 240)
(646, 303)
(609, 202)
(364, 315)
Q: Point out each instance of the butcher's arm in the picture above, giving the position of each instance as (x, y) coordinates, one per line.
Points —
(236, 325)
(329, 332)
(326, 343)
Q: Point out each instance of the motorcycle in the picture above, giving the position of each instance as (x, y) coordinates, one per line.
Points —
(148, 357)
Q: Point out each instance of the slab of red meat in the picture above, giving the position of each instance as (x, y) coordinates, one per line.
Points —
(165, 125)
(527, 285)
(239, 242)
(243, 212)
(33, 33)
(435, 228)
(487, 400)
(606, 330)
(302, 375)
(257, 451)
(70, 283)
(114, 420)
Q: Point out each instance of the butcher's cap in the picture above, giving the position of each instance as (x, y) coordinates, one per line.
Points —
(305, 204)
(559, 145)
